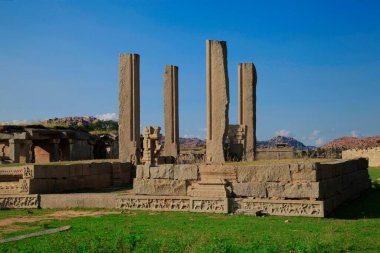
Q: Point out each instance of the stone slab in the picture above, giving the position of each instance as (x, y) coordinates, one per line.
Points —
(142, 171)
(226, 172)
(251, 189)
(263, 173)
(279, 207)
(159, 187)
(78, 200)
(186, 172)
(302, 190)
(163, 171)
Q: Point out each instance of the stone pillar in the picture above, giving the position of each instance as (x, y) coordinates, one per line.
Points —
(54, 153)
(129, 108)
(14, 150)
(218, 99)
(171, 111)
(247, 79)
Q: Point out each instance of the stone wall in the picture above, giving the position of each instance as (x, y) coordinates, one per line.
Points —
(372, 154)
(307, 189)
(56, 178)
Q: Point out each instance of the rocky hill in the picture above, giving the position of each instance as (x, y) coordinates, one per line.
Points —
(353, 142)
(72, 121)
(191, 142)
(280, 140)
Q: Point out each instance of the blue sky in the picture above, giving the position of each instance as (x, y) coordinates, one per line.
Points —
(318, 62)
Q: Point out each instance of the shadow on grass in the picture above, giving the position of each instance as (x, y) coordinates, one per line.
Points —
(367, 206)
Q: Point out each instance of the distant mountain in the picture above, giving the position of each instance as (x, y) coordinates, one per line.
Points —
(353, 142)
(280, 140)
(291, 142)
(191, 142)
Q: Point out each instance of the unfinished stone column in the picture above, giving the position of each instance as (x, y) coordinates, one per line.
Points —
(218, 99)
(247, 79)
(171, 111)
(129, 108)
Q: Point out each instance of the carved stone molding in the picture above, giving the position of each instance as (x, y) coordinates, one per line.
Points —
(153, 203)
(209, 205)
(280, 207)
(18, 201)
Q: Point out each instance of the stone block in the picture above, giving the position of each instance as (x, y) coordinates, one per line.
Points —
(251, 189)
(302, 190)
(100, 168)
(304, 172)
(163, 171)
(224, 172)
(209, 189)
(142, 171)
(159, 187)
(186, 172)
(275, 190)
(264, 173)
(78, 200)
(86, 170)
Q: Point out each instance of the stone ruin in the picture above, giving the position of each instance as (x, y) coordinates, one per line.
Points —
(294, 188)
(37, 144)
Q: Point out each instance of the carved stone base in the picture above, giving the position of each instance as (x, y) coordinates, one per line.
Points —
(279, 207)
(209, 205)
(157, 203)
(172, 203)
(19, 201)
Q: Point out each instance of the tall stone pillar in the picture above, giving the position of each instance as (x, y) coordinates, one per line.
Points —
(247, 80)
(129, 108)
(171, 111)
(218, 100)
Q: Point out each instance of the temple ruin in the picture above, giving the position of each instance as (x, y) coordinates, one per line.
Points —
(310, 188)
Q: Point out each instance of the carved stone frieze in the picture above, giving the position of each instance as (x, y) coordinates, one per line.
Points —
(209, 205)
(18, 201)
(153, 203)
(280, 207)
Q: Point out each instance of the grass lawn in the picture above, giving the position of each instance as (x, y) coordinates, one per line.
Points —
(352, 228)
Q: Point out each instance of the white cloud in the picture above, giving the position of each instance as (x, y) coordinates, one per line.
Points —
(355, 133)
(20, 122)
(283, 132)
(107, 116)
(315, 133)
(319, 141)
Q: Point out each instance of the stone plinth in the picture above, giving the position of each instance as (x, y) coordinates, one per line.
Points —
(129, 108)
(218, 100)
(171, 111)
(247, 106)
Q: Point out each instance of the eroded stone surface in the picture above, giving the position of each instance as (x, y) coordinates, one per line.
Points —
(247, 106)
(160, 187)
(171, 148)
(163, 171)
(218, 100)
(301, 190)
(273, 173)
(129, 108)
(252, 189)
(186, 172)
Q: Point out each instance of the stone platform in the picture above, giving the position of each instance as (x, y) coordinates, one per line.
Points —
(295, 189)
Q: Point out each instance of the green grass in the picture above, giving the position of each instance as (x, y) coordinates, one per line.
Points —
(374, 173)
(352, 228)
